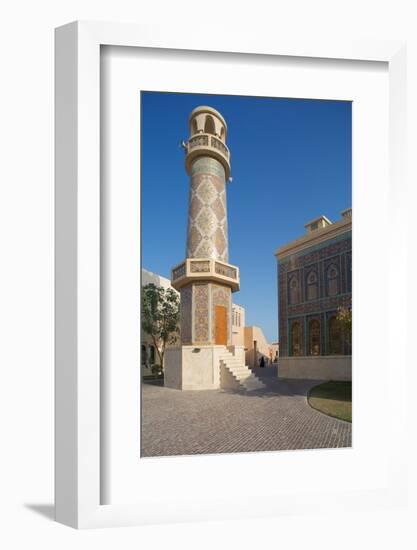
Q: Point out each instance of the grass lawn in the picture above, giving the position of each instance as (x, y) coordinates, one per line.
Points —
(332, 398)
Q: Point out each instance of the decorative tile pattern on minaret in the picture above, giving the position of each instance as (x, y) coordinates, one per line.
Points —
(206, 358)
(206, 279)
(207, 214)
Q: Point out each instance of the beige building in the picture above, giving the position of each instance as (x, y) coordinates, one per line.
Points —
(253, 340)
(149, 277)
(148, 353)
(257, 346)
(238, 325)
(275, 351)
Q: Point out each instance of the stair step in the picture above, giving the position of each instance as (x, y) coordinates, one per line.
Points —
(251, 381)
(253, 387)
(236, 366)
(242, 372)
(243, 375)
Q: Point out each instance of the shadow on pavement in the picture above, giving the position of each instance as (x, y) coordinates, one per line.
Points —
(274, 386)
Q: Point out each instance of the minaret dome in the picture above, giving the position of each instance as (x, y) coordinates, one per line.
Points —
(206, 120)
(208, 132)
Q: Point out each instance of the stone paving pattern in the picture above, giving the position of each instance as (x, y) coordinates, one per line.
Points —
(277, 417)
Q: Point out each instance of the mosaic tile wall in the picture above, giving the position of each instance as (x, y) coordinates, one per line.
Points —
(207, 212)
(186, 314)
(201, 313)
(294, 303)
(198, 303)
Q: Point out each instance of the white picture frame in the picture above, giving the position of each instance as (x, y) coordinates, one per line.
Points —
(78, 404)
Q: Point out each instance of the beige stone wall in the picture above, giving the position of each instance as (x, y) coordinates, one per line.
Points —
(275, 350)
(263, 348)
(239, 352)
(173, 368)
(325, 367)
(193, 368)
(148, 277)
(227, 380)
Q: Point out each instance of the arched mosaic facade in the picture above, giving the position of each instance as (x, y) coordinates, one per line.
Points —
(313, 284)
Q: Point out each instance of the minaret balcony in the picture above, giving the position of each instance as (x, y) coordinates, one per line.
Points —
(207, 145)
(205, 269)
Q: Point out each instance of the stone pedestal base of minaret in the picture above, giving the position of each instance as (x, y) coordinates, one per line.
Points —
(193, 367)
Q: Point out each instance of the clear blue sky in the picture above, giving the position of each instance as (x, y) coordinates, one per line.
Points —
(291, 162)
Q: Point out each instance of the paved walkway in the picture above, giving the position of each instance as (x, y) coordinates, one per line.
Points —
(277, 417)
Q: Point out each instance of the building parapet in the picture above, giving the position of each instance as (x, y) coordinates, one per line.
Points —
(321, 235)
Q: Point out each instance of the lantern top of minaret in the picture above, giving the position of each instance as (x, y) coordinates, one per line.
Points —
(208, 132)
(204, 118)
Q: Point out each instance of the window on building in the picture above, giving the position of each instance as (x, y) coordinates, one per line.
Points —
(209, 127)
(335, 337)
(349, 273)
(143, 354)
(152, 355)
(332, 275)
(312, 286)
(293, 290)
(295, 338)
(314, 337)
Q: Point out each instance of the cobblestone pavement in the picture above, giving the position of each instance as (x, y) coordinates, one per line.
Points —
(277, 417)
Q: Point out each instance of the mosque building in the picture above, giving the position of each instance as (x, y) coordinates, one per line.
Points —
(314, 282)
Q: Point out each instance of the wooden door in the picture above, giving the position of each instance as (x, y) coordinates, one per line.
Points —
(221, 325)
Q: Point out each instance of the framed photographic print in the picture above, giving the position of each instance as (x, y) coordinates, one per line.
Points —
(194, 336)
(220, 213)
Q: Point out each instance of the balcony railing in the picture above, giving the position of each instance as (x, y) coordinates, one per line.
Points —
(207, 144)
(218, 144)
(207, 140)
(225, 270)
(205, 268)
(200, 266)
(198, 141)
(178, 271)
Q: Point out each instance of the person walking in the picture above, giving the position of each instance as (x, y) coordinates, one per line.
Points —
(262, 362)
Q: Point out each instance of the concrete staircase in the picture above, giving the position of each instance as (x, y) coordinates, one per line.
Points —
(235, 374)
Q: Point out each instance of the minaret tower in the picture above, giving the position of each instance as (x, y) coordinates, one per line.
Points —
(204, 279)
